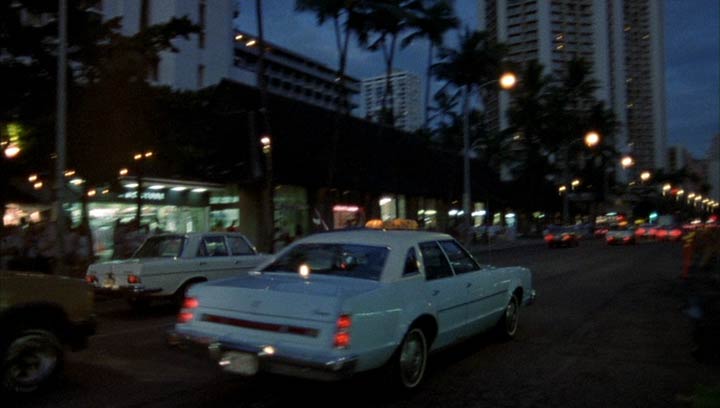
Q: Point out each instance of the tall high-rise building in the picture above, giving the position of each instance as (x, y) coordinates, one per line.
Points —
(621, 39)
(406, 95)
(713, 166)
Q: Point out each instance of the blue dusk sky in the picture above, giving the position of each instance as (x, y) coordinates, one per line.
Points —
(692, 54)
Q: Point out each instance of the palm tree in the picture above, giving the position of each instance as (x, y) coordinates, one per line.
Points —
(431, 22)
(343, 14)
(379, 24)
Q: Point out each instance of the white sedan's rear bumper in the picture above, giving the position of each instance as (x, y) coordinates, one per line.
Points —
(282, 360)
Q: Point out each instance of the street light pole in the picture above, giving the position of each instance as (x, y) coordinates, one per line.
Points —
(60, 138)
(507, 81)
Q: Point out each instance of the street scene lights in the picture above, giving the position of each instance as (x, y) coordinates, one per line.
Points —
(507, 81)
(645, 176)
(627, 162)
(591, 139)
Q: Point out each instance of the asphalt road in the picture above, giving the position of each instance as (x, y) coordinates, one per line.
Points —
(608, 330)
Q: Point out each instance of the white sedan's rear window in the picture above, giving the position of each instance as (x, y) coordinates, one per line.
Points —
(355, 261)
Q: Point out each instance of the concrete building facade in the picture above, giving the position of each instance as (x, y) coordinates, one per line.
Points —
(406, 99)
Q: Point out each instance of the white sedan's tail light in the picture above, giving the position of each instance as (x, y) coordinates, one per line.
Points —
(342, 332)
(186, 312)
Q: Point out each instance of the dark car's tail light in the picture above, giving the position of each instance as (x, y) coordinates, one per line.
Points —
(188, 305)
(133, 279)
(91, 279)
(640, 232)
(549, 237)
(567, 237)
(341, 339)
(676, 233)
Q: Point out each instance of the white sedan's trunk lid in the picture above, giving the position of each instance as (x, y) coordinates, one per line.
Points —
(279, 295)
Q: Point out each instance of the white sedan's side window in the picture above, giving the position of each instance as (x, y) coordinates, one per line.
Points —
(239, 246)
(411, 263)
(213, 246)
(460, 260)
(434, 260)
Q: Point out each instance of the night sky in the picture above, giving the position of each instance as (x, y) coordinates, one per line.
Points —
(692, 54)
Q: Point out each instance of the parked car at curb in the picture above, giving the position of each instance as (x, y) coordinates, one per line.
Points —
(40, 315)
(335, 304)
(166, 265)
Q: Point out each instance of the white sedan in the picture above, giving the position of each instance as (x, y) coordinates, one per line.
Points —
(338, 303)
(166, 265)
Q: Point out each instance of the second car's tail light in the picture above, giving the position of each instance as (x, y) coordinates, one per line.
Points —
(549, 237)
(91, 279)
(341, 339)
(188, 305)
(133, 279)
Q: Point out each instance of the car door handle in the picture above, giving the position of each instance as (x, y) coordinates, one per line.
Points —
(202, 263)
(435, 292)
(238, 262)
(467, 285)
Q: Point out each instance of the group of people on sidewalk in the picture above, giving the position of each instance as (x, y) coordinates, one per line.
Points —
(33, 247)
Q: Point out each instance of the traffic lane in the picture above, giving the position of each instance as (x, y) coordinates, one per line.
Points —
(570, 344)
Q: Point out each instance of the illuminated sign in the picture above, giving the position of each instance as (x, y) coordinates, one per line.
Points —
(147, 195)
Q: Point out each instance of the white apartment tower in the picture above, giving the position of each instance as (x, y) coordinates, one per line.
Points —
(406, 99)
(621, 39)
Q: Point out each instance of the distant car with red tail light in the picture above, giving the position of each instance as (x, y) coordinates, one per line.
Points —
(646, 231)
(561, 236)
(669, 233)
(620, 236)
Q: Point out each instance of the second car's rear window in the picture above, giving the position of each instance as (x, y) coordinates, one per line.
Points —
(356, 261)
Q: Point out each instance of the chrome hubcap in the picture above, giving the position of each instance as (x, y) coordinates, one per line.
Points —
(413, 357)
(512, 314)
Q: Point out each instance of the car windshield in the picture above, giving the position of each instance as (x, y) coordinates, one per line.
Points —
(168, 246)
(355, 261)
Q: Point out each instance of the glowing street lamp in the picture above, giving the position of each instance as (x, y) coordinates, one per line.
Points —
(627, 161)
(575, 183)
(508, 81)
(592, 138)
(645, 176)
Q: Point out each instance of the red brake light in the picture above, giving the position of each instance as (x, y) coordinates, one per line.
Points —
(342, 333)
(566, 237)
(549, 237)
(676, 233)
(190, 303)
(133, 279)
(90, 279)
(184, 317)
(640, 231)
(344, 322)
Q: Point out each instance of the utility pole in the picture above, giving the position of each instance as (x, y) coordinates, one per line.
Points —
(60, 139)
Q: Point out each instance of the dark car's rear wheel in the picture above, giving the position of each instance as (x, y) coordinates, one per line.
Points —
(410, 360)
(32, 359)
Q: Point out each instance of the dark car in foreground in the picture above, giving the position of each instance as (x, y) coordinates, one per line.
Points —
(40, 315)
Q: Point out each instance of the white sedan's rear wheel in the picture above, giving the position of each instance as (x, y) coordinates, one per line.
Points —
(412, 359)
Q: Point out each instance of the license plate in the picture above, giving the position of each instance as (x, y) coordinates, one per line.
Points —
(239, 363)
(109, 283)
